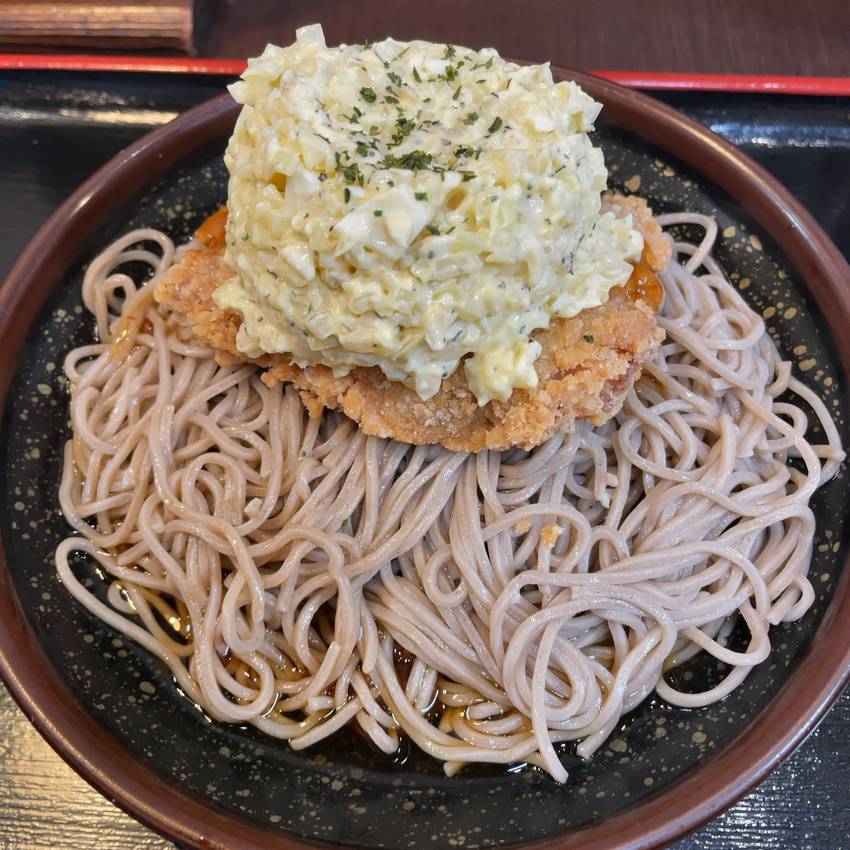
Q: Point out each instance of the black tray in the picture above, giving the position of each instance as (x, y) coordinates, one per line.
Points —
(56, 128)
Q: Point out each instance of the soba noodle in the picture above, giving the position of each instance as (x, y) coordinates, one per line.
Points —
(298, 575)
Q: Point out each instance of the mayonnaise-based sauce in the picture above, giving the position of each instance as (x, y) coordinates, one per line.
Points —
(403, 205)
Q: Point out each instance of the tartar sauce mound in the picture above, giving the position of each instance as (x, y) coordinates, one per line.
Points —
(404, 205)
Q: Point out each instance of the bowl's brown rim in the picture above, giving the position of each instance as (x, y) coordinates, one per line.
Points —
(684, 806)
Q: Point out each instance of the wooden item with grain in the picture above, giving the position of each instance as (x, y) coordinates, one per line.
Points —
(142, 25)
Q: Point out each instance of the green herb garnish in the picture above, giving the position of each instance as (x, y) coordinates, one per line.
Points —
(404, 127)
(354, 118)
(368, 95)
(497, 123)
(470, 119)
(420, 196)
(378, 213)
(352, 174)
(413, 161)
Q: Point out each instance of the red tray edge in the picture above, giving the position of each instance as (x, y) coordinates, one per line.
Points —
(656, 80)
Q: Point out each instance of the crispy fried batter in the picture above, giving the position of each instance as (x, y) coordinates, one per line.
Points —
(587, 365)
(657, 249)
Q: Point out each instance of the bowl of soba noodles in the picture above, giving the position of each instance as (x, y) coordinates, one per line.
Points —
(412, 448)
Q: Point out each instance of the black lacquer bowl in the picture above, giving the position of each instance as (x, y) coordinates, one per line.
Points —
(113, 711)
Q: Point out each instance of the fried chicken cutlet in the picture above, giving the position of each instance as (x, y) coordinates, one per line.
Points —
(587, 365)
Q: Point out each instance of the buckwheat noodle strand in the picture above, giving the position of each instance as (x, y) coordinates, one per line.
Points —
(298, 575)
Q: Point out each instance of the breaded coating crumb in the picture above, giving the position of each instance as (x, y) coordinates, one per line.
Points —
(587, 364)
(657, 248)
(550, 534)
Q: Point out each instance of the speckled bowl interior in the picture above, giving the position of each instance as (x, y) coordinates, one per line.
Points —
(342, 791)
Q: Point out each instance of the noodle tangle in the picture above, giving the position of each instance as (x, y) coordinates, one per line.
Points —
(297, 575)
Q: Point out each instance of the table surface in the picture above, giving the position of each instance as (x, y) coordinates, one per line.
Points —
(805, 804)
(749, 37)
